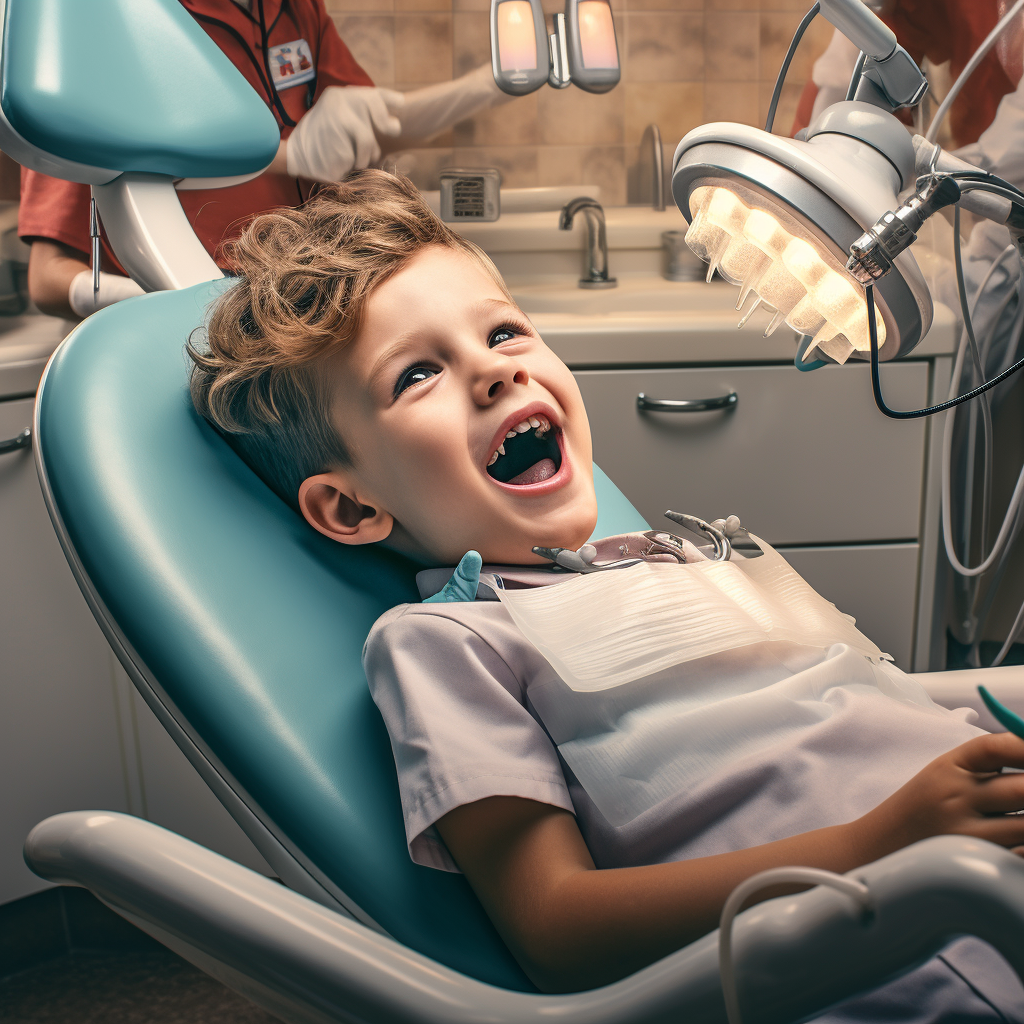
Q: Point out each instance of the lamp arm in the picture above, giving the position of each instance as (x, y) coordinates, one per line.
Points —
(891, 78)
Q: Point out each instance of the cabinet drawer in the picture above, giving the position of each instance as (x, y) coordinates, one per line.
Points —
(803, 458)
(875, 583)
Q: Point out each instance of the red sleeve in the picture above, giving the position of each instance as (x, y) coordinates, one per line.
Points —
(335, 63)
(54, 209)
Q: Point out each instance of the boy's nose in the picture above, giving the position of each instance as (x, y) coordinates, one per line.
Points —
(496, 378)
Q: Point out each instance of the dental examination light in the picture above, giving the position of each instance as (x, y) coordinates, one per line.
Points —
(582, 50)
(818, 228)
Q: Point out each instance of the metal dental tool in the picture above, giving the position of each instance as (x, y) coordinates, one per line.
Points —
(566, 558)
(720, 542)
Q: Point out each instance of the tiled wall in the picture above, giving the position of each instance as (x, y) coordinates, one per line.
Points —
(684, 62)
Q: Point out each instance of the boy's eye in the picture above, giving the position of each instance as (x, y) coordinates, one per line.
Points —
(506, 333)
(414, 375)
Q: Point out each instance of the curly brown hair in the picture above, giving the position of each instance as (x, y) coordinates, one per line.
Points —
(304, 276)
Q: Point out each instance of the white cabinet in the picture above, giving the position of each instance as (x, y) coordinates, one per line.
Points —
(805, 460)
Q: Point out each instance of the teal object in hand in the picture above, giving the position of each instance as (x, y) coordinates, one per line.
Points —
(1002, 714)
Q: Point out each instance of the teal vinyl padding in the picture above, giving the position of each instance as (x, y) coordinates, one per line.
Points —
(250, 621)
(130, 85)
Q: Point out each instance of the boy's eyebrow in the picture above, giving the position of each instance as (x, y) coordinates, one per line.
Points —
(408, 340)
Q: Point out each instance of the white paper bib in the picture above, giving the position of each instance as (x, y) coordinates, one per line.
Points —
(666, 673)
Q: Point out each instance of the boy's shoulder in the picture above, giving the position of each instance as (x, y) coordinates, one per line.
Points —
(451, 632)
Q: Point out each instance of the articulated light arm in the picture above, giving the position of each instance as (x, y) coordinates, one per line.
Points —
(890, 78)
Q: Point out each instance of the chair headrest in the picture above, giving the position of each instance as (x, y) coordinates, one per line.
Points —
(90, 90)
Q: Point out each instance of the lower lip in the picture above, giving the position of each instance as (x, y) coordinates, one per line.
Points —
(553, 483)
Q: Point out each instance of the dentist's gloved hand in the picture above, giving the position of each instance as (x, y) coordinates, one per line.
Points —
(113, 288)
(464, 582)
(341, 132)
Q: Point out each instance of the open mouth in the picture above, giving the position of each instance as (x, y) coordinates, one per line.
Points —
(529, 454)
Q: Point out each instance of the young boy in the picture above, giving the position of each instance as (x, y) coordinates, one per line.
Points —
(371, 366)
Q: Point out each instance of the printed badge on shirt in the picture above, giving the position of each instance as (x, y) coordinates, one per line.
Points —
(291, 64)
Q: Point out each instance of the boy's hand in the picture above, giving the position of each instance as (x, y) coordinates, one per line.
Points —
(960, 793)
(464, 582)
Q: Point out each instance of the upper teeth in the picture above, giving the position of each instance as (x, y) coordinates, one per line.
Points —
(540, 424)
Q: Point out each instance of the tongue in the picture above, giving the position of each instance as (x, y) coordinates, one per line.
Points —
(538, 471)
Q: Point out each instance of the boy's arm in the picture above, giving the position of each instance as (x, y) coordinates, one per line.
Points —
(572, 926)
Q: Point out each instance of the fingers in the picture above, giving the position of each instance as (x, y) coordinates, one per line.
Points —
(394, 101)
(990, 753)
(379, 114)
(1000, 794)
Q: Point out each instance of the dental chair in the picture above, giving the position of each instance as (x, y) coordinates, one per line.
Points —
(242, 628)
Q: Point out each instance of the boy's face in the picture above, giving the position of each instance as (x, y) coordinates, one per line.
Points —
(443, 369)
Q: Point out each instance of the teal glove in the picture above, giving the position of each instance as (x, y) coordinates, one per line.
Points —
(1002, 714)
(462, 586)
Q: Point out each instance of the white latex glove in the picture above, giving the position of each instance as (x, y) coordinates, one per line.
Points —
(340, 132)
(113, 288)
(432, 109)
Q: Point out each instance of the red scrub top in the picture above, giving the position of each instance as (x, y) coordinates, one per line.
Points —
(59, 210)
(950, 30)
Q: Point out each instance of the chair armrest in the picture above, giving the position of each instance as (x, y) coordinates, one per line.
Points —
(796, 955)
(959, 689)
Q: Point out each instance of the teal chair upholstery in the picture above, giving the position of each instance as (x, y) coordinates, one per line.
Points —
(243, 627)
(127, 85)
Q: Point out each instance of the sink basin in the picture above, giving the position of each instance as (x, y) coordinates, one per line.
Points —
(631, 296)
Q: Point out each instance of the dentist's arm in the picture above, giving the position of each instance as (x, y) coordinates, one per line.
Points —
(572, 926)
(434, 108)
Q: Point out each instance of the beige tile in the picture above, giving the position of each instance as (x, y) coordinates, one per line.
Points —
(605, 166)
(664, 47)
(518, 164)
(776, 35)
(802, 6)
(471, 40)
(663, 5)
(736, 5)
(423, 48)
(512, 123)
(423, 165)
(574, 117)
(731, 46)
(732, 101)
(786, 111)
(675, 107)
(423, 5)
(472, 5)
(359, 6)
(560, 165)
(371, 38)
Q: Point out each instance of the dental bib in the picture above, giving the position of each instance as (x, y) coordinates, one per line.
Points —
(668, 673)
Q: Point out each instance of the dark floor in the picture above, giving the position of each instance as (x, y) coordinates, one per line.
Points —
(151, 987)
(65, 958)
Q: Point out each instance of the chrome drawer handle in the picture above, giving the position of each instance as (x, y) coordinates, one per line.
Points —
(12, 444)
(645, 404)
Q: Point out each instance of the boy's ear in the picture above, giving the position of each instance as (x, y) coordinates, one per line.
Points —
(330, 503)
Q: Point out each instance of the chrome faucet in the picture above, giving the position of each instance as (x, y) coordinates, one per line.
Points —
(597, 241)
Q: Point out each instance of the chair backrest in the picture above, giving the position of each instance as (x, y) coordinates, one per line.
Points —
(243, 627)
(125, 85)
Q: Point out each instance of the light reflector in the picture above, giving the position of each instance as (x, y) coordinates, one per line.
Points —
(763, 251)
(597, 35)
(517, 36)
